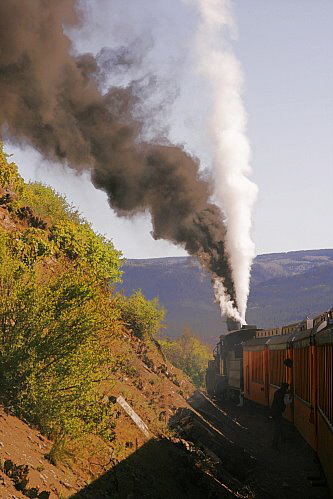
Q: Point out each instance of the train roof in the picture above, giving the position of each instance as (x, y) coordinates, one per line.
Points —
(321, 335)
(325, 336)
(256, 344)
(284, 341)
(303, 338)
(245, 327)
(237, 336)
(276, 342)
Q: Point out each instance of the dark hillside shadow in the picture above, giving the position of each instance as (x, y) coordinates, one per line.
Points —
(238, 464)
(160, 469)
(204, 463)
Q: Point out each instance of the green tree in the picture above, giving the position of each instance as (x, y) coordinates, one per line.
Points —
(58, 313)
(189, 354)
(144, 317)
(53, 346)
(46, 203)
(10, 179)
(80, 244)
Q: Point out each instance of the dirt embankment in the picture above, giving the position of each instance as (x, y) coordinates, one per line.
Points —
(180, 457)
(32, 466)
(211, 452)
(22, 445)
(153, 388)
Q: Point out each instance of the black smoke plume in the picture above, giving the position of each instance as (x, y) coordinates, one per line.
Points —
(51, 99)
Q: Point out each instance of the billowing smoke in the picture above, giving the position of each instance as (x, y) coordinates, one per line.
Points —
(53, 100)
(235, 193)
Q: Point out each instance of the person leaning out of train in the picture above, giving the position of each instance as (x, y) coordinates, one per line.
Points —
(280, 400)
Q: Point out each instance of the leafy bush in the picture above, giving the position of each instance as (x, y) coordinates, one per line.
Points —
(80, 243)
(56, 321)
(58, 315)
(46, 203)
(10, 179)
(189, 354)
(52, 349)
(144, 317)
(30, 245)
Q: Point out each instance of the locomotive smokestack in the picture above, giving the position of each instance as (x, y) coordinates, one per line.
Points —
(233, 325)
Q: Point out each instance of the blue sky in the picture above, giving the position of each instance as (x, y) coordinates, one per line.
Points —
(285, 48)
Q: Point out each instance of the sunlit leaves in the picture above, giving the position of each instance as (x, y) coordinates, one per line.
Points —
(144, 317)
(9, 177)
(58, 313)
(189, 354)
(52, 347)
(81, 245)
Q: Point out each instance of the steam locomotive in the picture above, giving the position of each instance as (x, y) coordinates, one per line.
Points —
(252, 363)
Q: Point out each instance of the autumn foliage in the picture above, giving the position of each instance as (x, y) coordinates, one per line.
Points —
(58, 312)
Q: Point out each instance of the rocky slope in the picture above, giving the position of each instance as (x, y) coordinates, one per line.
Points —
(169, 461)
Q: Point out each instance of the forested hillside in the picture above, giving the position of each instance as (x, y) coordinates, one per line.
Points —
(285, 287)
(70, 346)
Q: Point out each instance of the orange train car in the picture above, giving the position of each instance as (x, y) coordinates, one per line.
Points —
(266, 361)
(256, 374)
(300, 354)
(304, 359)
(305, 386)
(324, 414)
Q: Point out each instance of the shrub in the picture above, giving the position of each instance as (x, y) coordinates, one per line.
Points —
(46, 203)
(54, 346)
(10, 179)
(189, 354)
(144, 317)
(81, 244)
(57, 317)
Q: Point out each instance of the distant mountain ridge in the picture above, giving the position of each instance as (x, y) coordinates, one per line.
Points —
(285, 287)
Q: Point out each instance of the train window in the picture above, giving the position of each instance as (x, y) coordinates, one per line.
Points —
(276, 367)
(302, 373)
(325, 381)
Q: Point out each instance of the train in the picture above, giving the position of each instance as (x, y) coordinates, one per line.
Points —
(251, 364)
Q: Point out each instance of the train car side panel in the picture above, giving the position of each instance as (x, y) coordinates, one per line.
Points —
(246, 367)
(255, 371)
(304, 421)
(324, 351)
(257, 377)
(325, 448)
(305, 402)
(278, 353)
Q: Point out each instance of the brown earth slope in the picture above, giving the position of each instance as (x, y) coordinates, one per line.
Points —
(153, 388)
(196, 448)
(133, 465)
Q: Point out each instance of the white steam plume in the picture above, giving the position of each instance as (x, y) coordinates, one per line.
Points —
(227, 305)
(234, 192)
